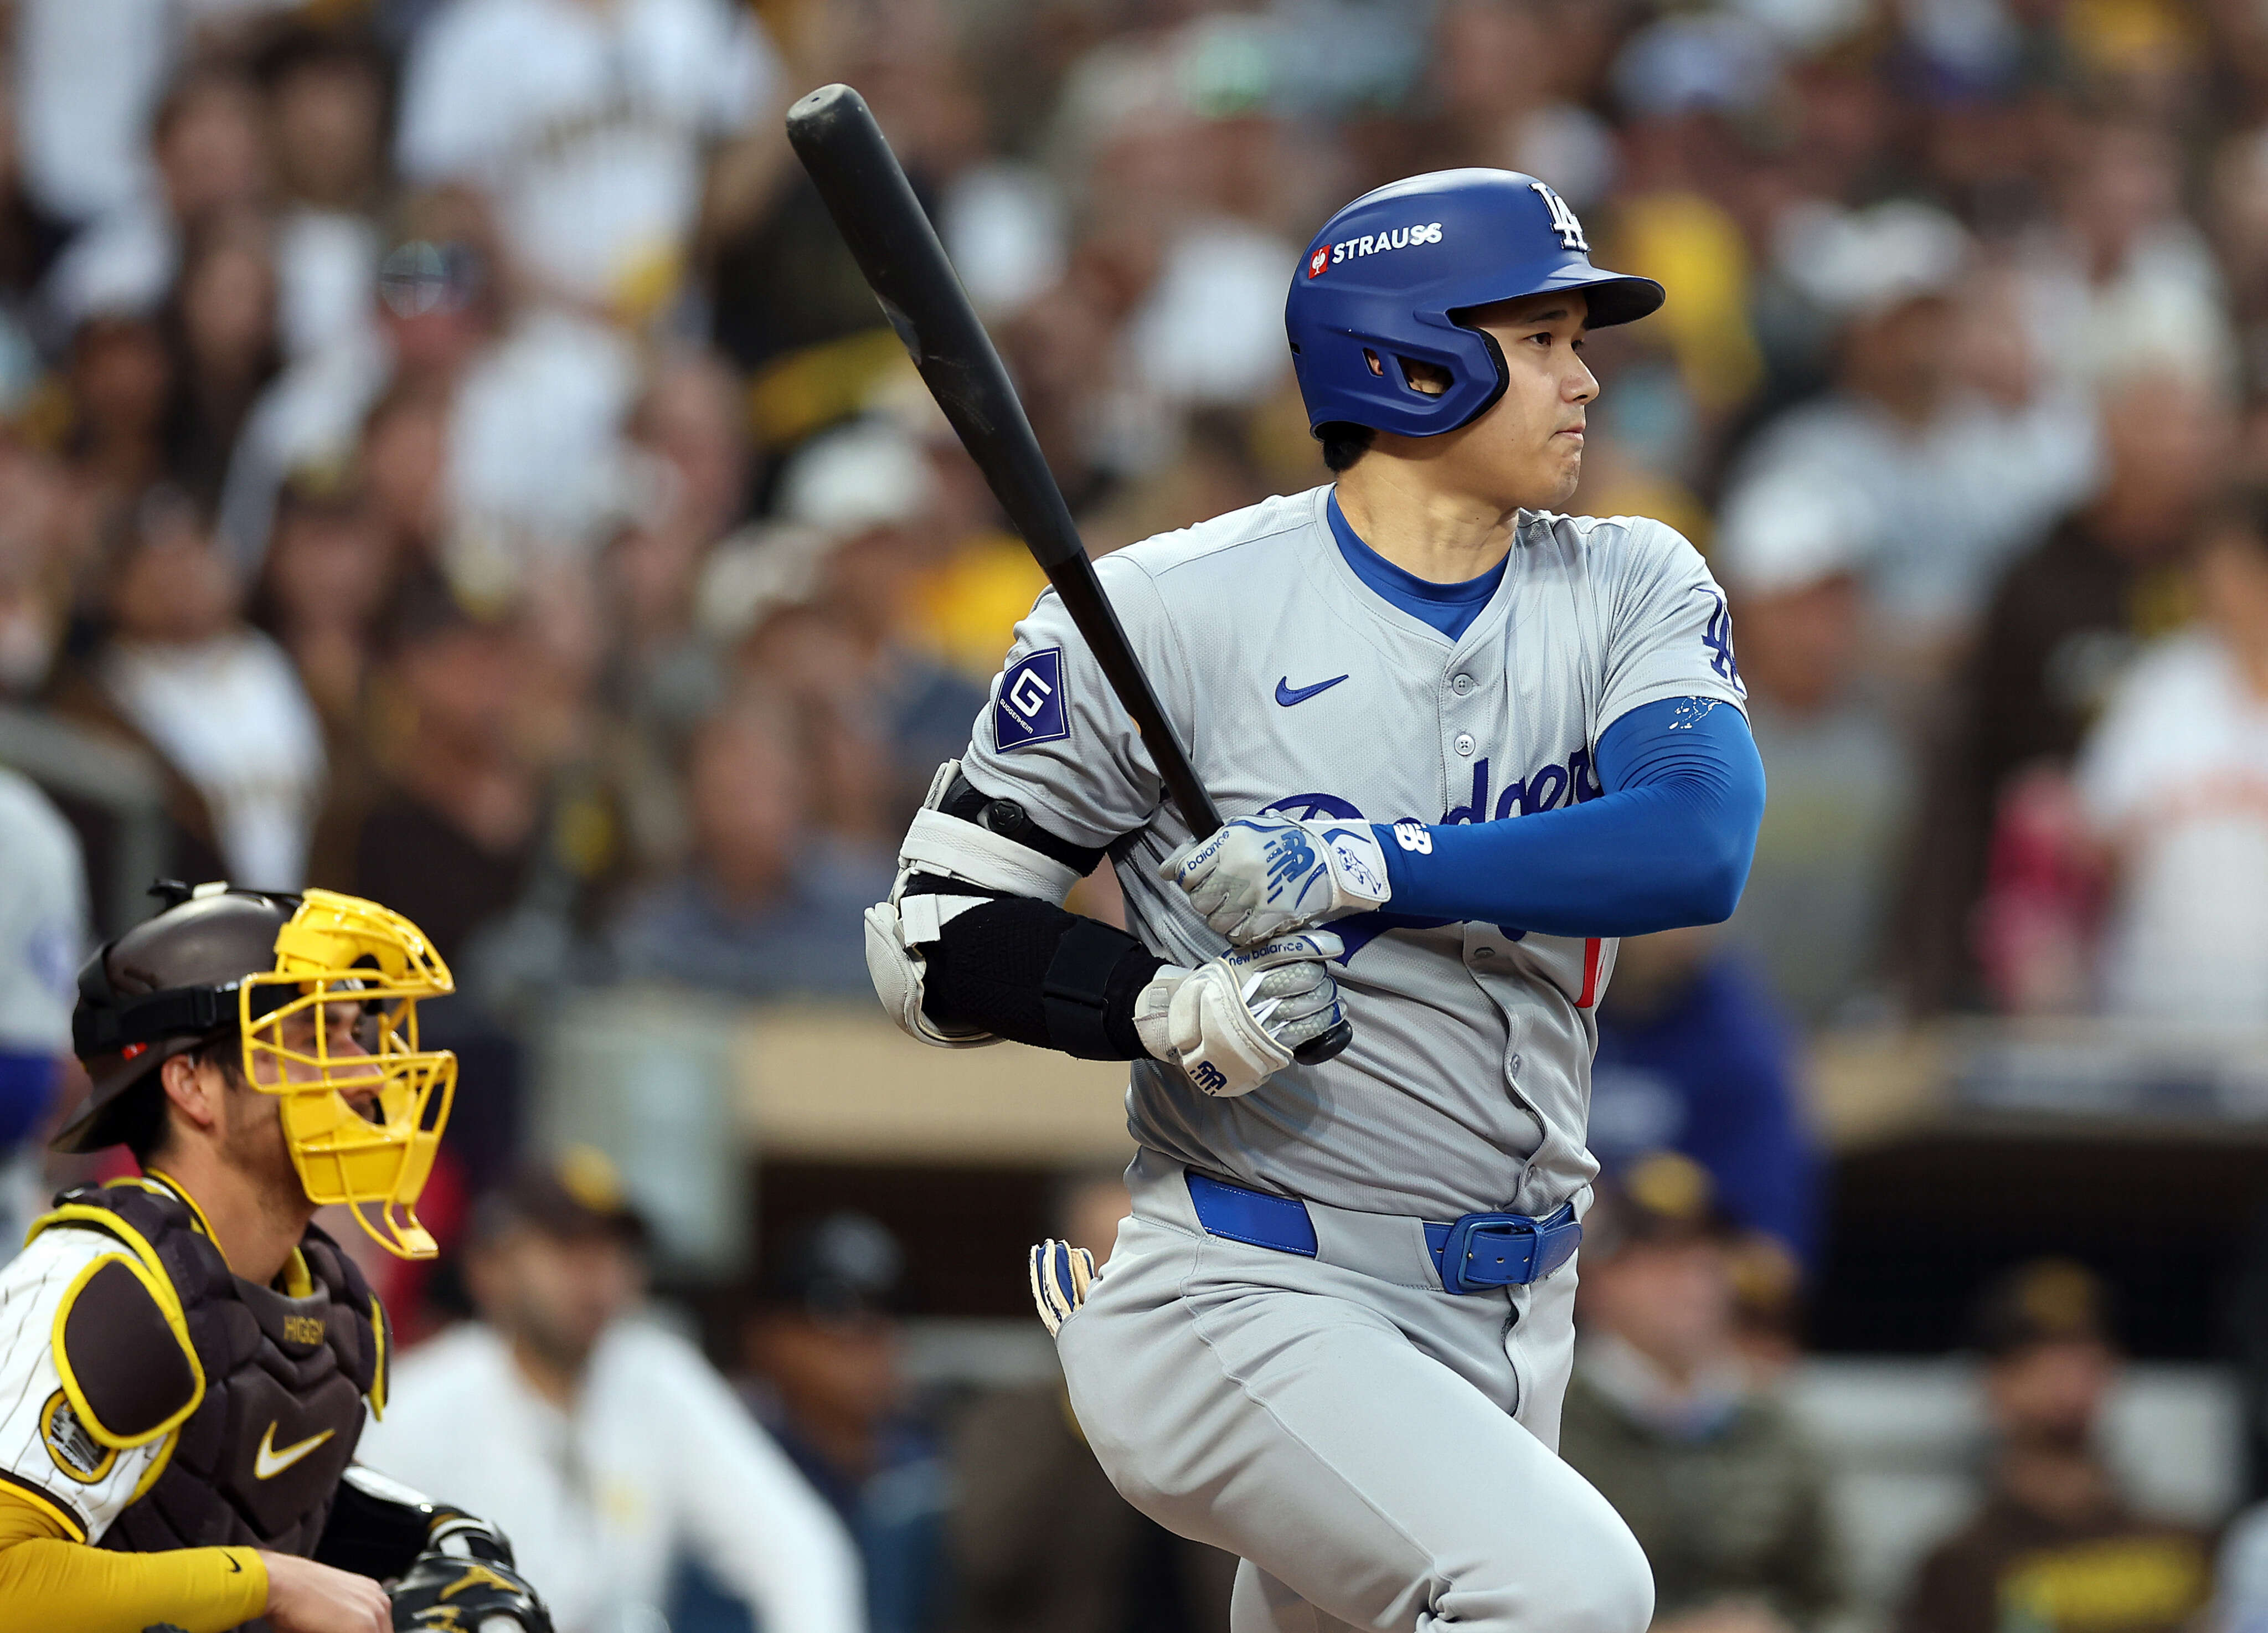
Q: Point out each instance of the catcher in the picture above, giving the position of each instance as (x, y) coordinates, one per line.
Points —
(184, 1357)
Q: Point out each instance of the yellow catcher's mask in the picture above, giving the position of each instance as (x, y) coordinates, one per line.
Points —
(363, 1119)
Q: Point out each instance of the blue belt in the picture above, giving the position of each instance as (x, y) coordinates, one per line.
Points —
(1478, 1253)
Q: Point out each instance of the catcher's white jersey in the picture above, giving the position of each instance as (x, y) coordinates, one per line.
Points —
(1301, 691)
(45, 1452)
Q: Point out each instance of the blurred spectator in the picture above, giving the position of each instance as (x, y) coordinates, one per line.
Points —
(323, 584)
(2063, 626)
(2173, 780)
(220, 328)
(452, 834)
(1041, 1542)
(1813, 915)
(1480, 46)
(38, 558)
(207, 139)
(874, 485)
(44, 933)
(182, 673)
(2122, 273)
(326, 96)
(1716, 1478)
(1937, 482)
(765, 909)
(600, 1443)
(2054, 1546)
(376, 395)
(30, 240)
(539, 474)
(687, 428)
(87, 75)
(822, 1350)
(588, 125)
(1694, 1057)
(120, 382)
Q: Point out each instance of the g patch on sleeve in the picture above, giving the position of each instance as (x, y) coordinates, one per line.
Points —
(127, 1368)
(1030, 706)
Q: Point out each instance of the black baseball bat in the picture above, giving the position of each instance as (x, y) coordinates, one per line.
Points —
(834, 133)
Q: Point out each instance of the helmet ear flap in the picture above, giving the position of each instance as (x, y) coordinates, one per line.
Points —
(1502, 369)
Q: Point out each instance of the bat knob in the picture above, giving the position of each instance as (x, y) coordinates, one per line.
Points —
(1316, 1050)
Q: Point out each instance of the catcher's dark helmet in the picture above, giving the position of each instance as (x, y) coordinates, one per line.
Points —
(1388, 276)
(164, 987)
(361, 1123)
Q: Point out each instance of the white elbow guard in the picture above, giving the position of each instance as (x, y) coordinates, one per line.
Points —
(945, 847)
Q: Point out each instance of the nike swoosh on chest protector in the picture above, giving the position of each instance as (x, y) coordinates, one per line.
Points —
(268, 1462)
(1287, 695)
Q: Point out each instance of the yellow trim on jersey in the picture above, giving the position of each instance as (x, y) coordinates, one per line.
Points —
(298, 1281)
(104, 1219)
(15, 1488)
(161, 1289)
(377, 1394)
(157, 1468)
(166, 1184)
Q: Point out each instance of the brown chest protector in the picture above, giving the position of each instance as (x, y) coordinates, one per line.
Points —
(257, 1462)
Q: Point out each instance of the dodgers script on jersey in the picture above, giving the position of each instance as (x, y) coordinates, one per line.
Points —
(1299, 690)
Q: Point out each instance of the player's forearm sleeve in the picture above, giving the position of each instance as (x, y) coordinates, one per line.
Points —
(68, 1587)
(1667, 844)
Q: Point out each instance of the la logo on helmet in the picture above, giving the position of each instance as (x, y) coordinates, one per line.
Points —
(1563, 219)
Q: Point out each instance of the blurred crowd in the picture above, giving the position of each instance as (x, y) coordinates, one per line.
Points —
(446, 447)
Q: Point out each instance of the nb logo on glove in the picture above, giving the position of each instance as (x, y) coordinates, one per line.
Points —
(1262, 877)
(1290, 859)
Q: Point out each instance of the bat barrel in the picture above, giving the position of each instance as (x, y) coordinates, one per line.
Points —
(835, 134)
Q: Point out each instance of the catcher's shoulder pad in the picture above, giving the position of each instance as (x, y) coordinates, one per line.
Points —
(122, 1343)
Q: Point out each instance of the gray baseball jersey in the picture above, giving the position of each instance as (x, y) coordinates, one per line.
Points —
(1299, 691)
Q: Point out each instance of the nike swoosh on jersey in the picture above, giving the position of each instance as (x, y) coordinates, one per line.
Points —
(268, 1462)
(1287, 695)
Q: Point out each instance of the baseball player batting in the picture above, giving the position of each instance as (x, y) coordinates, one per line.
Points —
(1479, 739)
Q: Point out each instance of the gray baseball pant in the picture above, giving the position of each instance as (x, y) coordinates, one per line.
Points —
(1378, 1453)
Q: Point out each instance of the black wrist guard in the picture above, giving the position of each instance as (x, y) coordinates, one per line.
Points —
(1034, 972)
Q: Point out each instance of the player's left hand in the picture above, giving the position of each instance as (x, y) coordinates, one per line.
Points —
(1260, 877)
(445, 1590)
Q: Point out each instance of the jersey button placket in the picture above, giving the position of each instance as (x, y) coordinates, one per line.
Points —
(1463, 744)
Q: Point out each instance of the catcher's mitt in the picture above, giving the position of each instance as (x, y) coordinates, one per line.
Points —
(446, 1593)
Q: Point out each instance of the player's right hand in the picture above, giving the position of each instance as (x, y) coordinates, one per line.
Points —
(304, 1597)
(1233, 1023)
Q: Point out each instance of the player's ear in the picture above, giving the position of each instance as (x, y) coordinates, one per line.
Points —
(194, 1088)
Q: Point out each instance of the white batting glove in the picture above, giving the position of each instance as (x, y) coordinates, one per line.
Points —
(1233, 1023)
(1061, 1274)
(1260, 877)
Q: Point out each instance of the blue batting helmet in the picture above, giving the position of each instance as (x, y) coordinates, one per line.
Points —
(1388, 276)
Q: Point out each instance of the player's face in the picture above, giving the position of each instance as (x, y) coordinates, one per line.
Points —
(558, 1295)
(1527, 450)
(252, 1132)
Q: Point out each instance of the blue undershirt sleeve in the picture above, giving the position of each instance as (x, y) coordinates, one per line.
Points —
(1668, 843)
